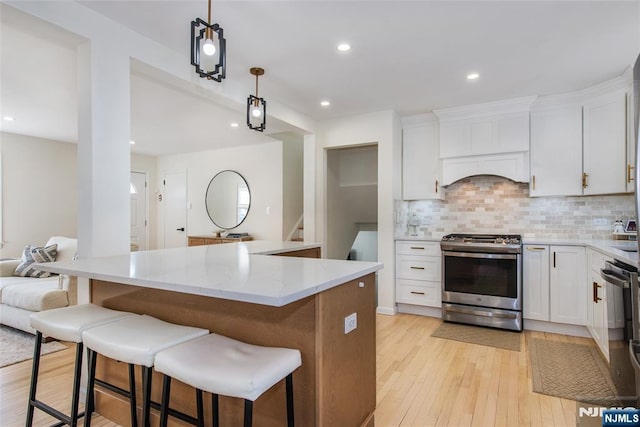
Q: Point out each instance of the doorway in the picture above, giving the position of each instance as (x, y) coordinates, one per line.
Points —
(352, 201)
(175, 209)
(138, 191)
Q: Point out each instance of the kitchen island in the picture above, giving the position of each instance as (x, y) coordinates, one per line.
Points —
(264, 293)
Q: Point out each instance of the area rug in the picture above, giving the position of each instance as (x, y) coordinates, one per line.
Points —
(478, 335)
(16, 346)
(571, 371)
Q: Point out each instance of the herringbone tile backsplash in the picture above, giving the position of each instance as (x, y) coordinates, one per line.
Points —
(491, 204)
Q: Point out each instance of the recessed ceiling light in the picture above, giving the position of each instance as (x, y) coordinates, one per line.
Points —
(9, 118)
(132, 142)
(234, 125)
(343, 47)
(472, 76)
(325, 103)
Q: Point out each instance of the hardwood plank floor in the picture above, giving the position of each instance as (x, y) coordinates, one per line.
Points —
(421, 381)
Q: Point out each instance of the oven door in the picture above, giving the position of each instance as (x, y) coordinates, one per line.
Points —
(482, 279)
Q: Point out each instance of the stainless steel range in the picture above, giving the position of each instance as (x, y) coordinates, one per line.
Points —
(482, 280)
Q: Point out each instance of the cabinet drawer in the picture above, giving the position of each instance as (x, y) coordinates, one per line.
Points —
(418, 267)
(419, 293)
(418, 248)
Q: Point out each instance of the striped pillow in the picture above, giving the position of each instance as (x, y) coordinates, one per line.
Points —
(32, 254)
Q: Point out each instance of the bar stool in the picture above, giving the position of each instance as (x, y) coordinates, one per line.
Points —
(223, 366)
(66, 324)
(134, 340)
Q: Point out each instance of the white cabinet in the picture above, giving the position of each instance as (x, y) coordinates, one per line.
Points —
(418, 273)
(631, 144)
(553, 283)
(604, 144)
(579, 143)
(421, 158)
(535, 274)
(556, 151)
(599, 297)
(566, 285)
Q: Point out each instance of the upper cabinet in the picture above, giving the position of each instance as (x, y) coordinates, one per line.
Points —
(490, 138)
(420, 158)
(579, 142)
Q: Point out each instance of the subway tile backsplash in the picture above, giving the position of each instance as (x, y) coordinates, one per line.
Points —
(491, 204)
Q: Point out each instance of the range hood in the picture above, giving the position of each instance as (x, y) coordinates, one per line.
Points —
(513, 166)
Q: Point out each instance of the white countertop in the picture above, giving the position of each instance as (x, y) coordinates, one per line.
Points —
(236, 271)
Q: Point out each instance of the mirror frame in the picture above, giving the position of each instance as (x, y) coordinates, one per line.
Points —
(206, 194)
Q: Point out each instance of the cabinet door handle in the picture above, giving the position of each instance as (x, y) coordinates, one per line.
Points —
(417, 293)
(436, 186)
(585, 180)
(417, 268)
(417, 247)
(629, 177)
(534, 248)
(554, 259)
(533, 182)
(596, 298)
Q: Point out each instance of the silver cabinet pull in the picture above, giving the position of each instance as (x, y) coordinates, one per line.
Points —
(532, 248)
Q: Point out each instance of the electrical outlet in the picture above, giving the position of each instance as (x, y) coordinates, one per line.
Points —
(350, 323)
(599, 222)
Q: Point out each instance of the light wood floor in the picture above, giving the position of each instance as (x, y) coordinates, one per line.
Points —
(421, 381)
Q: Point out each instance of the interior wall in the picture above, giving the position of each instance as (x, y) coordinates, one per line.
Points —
(385, 129)
(38, 191)
(261, 165)
(293, 181)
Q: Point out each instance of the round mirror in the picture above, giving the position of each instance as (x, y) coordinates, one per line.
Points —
(228, 199)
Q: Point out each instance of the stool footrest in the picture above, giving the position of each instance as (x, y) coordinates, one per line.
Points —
(49, 410)
(155, 405)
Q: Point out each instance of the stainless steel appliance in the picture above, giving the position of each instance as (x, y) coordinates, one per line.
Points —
(634, 345)
(482, 280)
(622, 279)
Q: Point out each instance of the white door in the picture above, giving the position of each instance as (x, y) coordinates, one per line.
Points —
(138, 190)
(175, 209)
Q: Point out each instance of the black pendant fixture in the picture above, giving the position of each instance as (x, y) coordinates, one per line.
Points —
(256, 107)
(208, 48)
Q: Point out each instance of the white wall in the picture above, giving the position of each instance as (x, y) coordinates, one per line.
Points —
(38, 191)
(384, 128)
(261, 166)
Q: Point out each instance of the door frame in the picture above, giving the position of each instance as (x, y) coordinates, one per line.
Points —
(146, 207)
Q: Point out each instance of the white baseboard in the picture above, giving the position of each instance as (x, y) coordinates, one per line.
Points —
(420, 310)
(389, 311)
(556, 328)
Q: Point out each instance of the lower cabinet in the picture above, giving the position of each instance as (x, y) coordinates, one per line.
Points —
(418, 273)
(553, 283)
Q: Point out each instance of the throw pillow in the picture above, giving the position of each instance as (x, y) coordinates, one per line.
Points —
(32, 254)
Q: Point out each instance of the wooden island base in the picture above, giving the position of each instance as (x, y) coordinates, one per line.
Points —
(335, 386)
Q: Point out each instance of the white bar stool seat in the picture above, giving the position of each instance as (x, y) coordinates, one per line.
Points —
(66, 324)
(224, 366)
(134, 340)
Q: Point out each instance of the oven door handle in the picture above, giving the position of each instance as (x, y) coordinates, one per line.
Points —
(479, 255)
(616, 280)
(482, 313)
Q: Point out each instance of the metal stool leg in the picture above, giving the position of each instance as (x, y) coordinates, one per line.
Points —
(77, 373)
(146, 395)
(133, 406)
(290, 417)
(215, 406)
(89, 407)
(248, 413)
(164, 408)
(35, 369)
(199, 408)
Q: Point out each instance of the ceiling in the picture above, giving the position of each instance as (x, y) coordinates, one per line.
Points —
(409, 56)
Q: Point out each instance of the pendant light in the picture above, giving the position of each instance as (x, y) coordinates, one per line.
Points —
(256, 107)
(208, 48)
